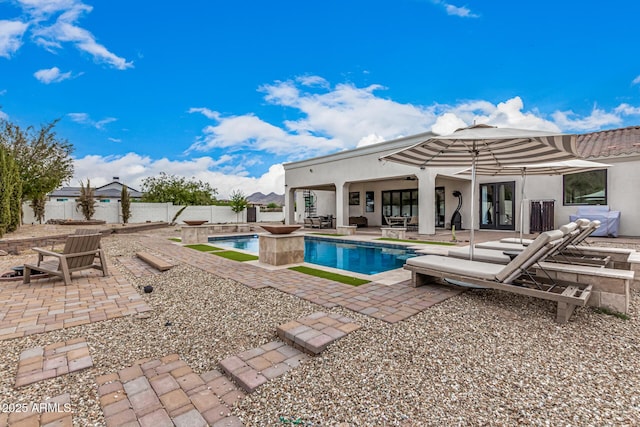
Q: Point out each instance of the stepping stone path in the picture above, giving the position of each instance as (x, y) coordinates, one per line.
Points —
(41, 363)
(310, 335)
(166, 392)
(252, 368)
(56, 411)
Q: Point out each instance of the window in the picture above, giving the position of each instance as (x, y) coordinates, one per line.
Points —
(369, 201)
(105, 201)
(354, 198)
(62, 200)
(585, 188)
(399, 203)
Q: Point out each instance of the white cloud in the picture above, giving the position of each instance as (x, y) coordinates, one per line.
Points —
(452, 10)
(54, 22)
(51, 75)
(369, 140)
(346, 116)
(447, 123)
(83, 118)
(132, 168)
(115, 140)
(636, 81)
(11, 33)
(214, 115)
(248, 132)
(627, 110)
(596, 120)
(462, 12)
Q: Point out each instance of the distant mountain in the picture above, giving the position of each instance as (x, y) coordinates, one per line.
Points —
(262, 199)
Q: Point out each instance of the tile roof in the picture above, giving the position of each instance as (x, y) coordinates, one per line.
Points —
(610, 143)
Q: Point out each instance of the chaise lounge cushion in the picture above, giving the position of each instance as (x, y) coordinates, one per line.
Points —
(481, 270)
(484, 255)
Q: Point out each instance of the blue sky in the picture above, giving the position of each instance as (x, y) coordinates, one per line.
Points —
(228, 91)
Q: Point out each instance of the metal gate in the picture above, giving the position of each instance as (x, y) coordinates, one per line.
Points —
(251, 214)
(541, 216)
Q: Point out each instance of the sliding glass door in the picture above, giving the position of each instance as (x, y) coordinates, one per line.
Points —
(399, 203)
(497, 206)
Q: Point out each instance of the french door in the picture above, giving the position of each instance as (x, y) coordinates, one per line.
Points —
(497, 206)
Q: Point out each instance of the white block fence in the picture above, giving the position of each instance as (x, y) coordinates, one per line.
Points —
(143, 212)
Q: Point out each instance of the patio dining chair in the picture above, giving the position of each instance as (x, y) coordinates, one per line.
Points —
(80, 253)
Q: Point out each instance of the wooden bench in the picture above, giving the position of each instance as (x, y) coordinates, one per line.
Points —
(154, 261)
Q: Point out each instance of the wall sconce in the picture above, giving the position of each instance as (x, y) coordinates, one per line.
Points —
(311, 170)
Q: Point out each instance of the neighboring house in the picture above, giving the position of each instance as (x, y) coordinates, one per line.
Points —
(105, 194)
(355, 183)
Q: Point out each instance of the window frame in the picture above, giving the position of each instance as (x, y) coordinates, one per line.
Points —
(606, 191)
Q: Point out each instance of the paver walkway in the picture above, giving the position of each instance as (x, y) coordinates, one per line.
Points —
(137, 267)
(41, 363)
(166, 392)
(314, 333)
(56, 411)
(252, 368)
(47, 304)
(389, 303)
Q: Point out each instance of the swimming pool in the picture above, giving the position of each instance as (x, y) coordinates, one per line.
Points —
(359, 257)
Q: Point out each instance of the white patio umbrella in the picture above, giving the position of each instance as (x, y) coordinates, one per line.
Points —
(564, 167)
(487, 146)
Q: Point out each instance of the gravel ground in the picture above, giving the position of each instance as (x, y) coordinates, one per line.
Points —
(482, 358)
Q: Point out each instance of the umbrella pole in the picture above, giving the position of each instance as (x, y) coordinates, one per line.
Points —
(524, 180)
(473, 198)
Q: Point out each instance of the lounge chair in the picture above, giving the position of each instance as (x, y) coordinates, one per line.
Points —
(568, 252)
(308, 223)
(513, 277)
(509, 250)
(79, 253)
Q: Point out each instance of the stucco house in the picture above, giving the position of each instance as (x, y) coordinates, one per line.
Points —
(356, 186)
(108, 193)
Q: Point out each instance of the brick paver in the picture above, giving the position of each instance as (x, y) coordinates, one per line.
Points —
(47, 304)
(56, 411)
(41, 363)
(389, 303)
(252, 368)
(166, 392)
(313, 333)
(138, 267)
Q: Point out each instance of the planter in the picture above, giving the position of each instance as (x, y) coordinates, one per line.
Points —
(280, 229)
(195, 222)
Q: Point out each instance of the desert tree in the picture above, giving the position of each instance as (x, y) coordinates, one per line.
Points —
(238, 202)
(86, 202)
(167, 188)
(43, 159)
(10, 192)
(125, 204)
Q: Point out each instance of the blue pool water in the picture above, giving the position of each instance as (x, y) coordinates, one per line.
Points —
(360, 257)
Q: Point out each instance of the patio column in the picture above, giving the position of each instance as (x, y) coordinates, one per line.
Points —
(426, 204)
(289, 206)
(342, 203)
